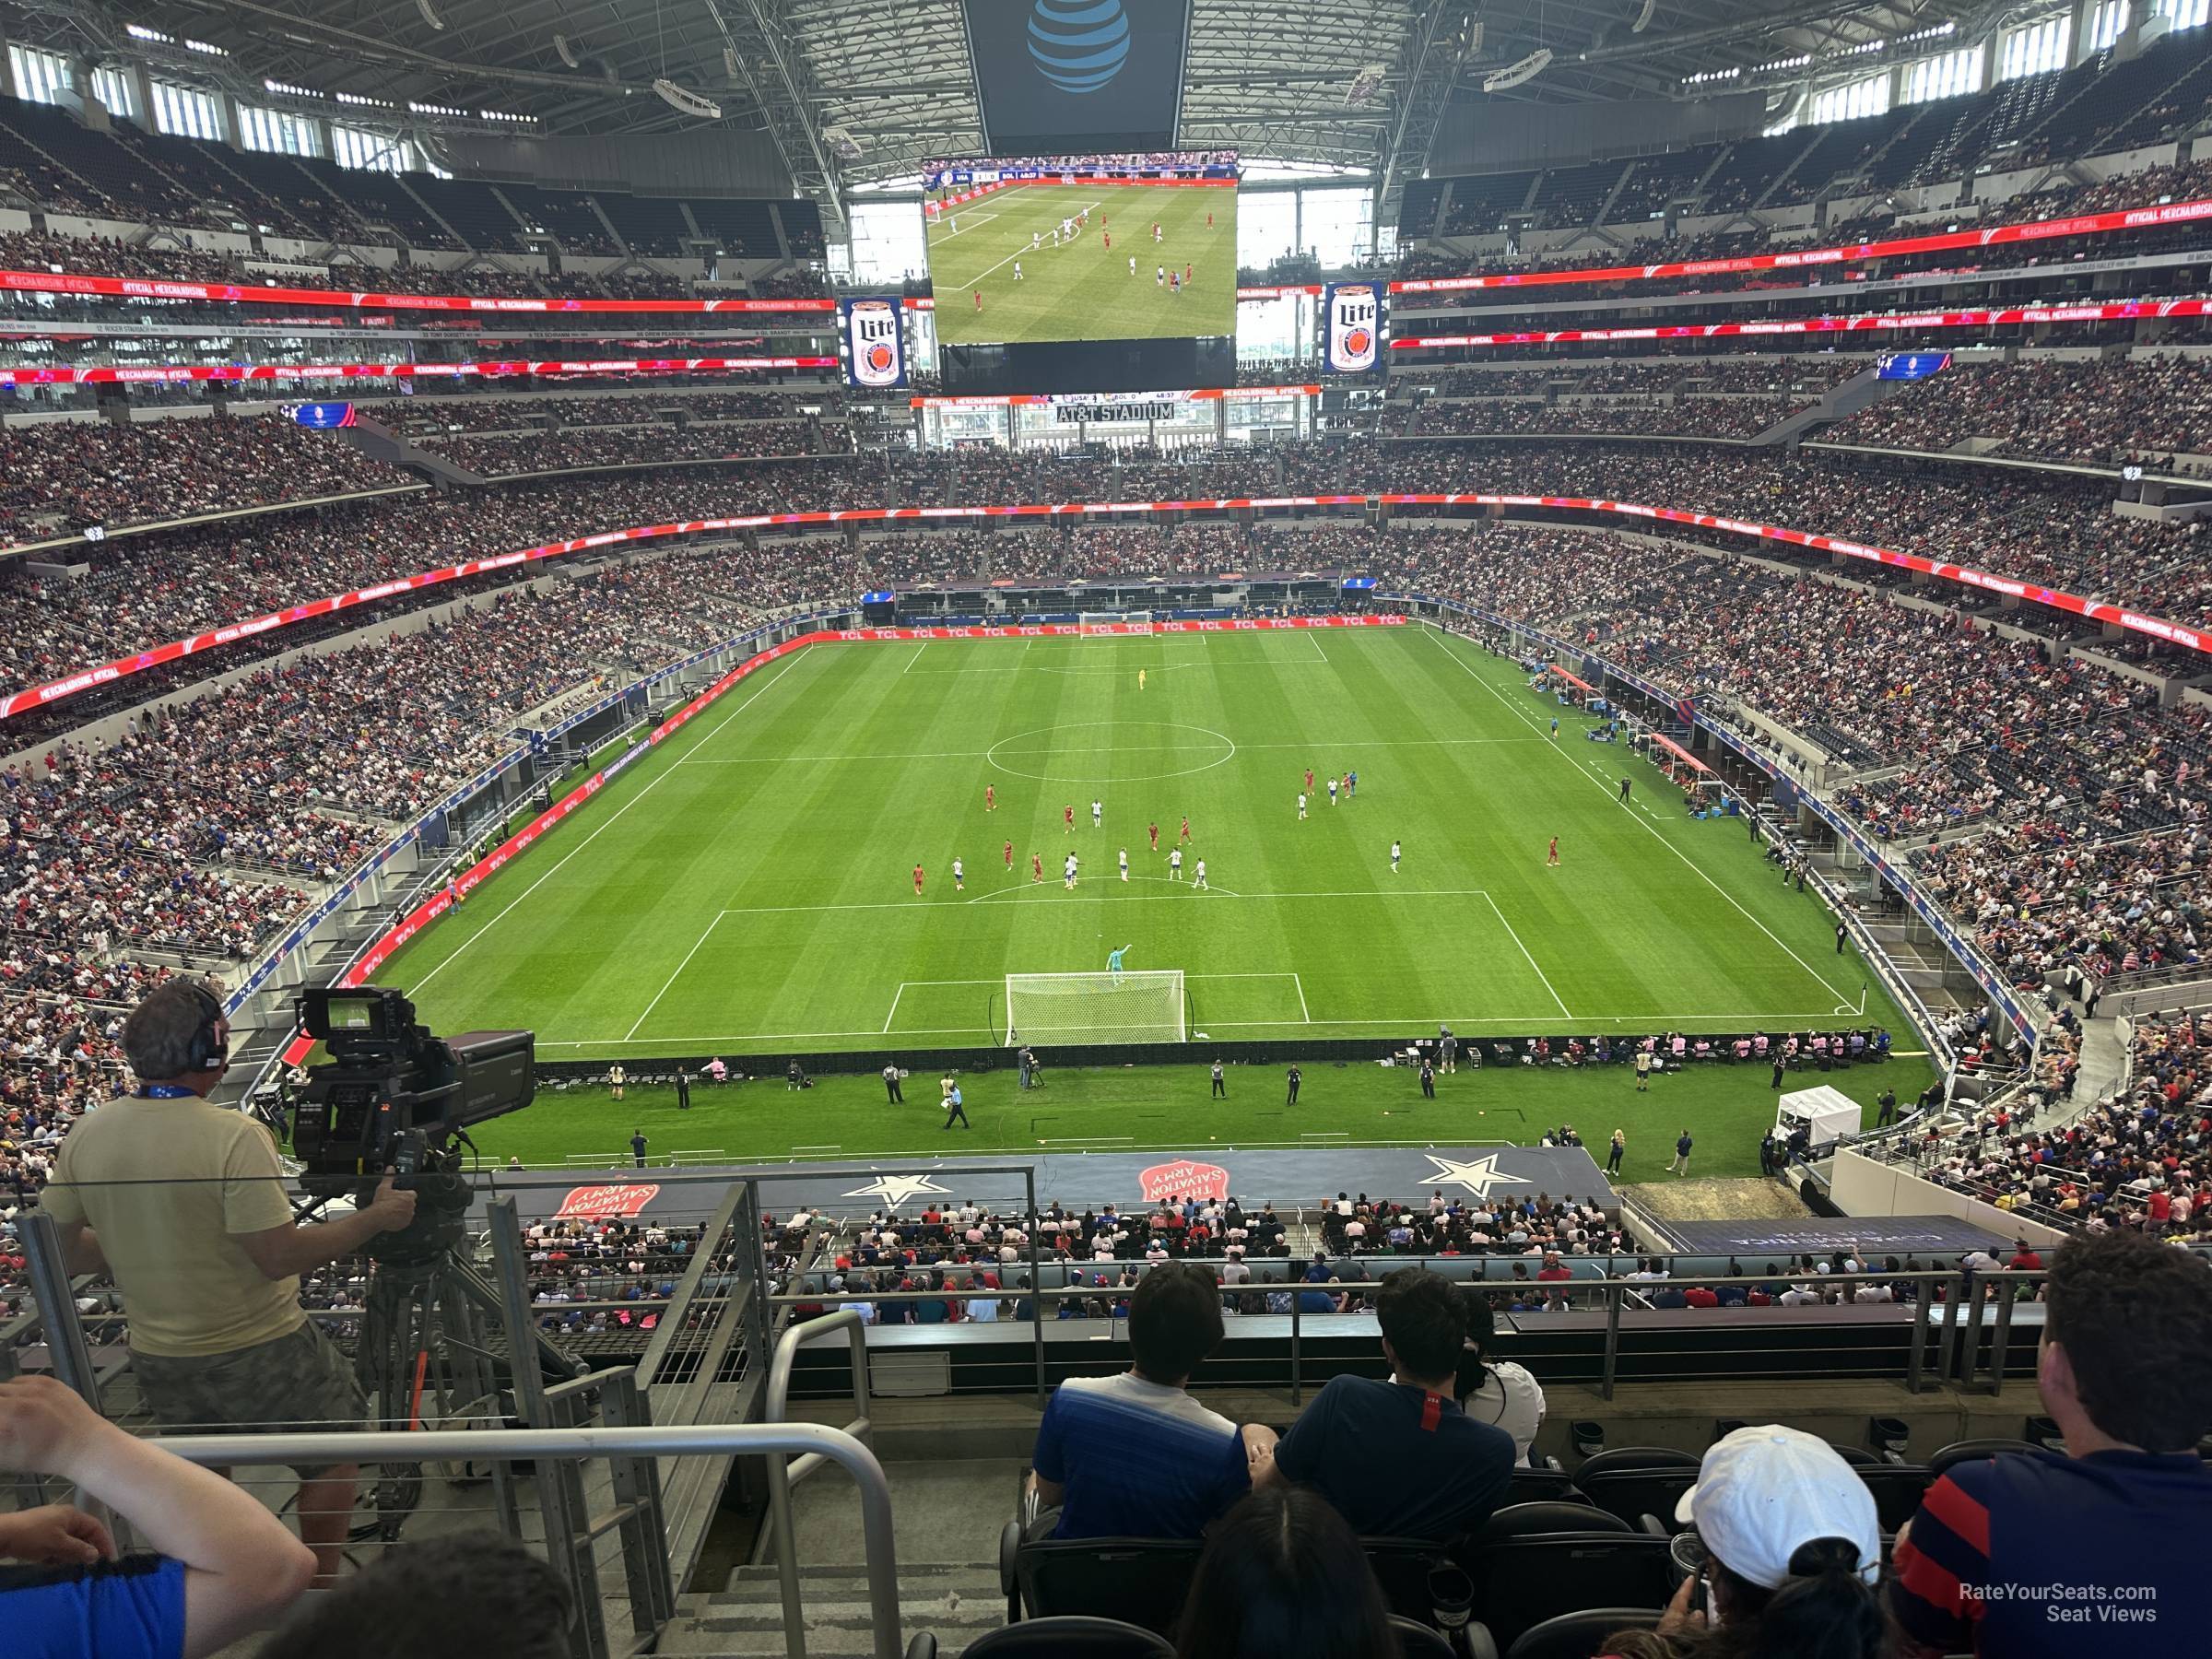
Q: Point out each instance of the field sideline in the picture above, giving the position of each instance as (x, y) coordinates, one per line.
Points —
(1083, 290)
(748, 890)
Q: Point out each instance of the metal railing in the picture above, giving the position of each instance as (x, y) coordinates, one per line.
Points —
(565, 1450)
(1940, 1291)
(782, 1474)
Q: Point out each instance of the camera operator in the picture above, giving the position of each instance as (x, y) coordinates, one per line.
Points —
(184, 1204)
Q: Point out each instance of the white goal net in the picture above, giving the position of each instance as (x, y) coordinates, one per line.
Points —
(1094, 625)
(1096, 1007)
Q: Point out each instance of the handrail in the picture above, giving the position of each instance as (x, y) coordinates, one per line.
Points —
(781, 1475)
(515, 1445)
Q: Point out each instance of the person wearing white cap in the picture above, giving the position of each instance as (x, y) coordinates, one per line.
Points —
(1793, 1544)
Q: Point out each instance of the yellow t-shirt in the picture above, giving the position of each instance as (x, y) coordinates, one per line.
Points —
(168, 1186)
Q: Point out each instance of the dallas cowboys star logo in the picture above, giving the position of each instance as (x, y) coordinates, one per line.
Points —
(1478, 1175)
(895, 1190)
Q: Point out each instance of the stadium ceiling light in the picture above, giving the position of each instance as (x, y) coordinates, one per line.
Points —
(429, 16)
(686, 101)
(1515, 75)
(566, 53)
(1644, 17)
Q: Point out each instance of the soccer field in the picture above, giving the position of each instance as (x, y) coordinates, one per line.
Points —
(1083, 289)
(747, 890)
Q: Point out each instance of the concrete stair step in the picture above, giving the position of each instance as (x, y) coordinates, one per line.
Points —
(957, 1603)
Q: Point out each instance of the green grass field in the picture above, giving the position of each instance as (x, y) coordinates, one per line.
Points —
(1170, 1109)
(1084, 290)
(747, 891)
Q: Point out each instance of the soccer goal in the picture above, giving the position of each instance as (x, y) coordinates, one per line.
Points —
(1095, 625)
(1096, 1007)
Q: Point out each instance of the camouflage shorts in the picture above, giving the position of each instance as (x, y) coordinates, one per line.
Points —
(298, 1383)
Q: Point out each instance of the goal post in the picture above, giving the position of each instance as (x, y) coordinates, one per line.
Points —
(1106, 625)
(1129, 1006)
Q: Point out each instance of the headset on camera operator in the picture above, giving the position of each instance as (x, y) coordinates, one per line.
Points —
(184, 1204)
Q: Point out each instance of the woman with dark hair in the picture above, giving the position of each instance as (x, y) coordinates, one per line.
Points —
(1496, 1392)
(1792, 1550)
(1283, 1577)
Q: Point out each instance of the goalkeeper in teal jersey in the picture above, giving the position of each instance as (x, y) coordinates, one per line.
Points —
(1113, 962)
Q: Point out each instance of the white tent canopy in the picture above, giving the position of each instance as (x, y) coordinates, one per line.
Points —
(1828, 1112)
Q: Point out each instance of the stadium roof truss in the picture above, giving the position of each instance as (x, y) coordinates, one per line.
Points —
(1359, 84)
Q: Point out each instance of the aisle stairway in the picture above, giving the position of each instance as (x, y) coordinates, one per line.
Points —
(957, 1603)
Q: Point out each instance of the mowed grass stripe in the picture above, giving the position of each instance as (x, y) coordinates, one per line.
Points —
(863, 769)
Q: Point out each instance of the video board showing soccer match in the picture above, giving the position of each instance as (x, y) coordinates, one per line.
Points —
(1098, 247)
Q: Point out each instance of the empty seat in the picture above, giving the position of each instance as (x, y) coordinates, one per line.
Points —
(1140, 1580)
(1549, 1515)
(1519, 1582)
(1967, 1450)
(1529, 1484)
(1401, 1566)
(1579, 1635)
(1065, 1637)
(1613, 1461)
(1416, 1640)
(1898, 1489)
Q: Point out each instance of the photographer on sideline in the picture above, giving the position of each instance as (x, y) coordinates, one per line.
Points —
(184, 1204)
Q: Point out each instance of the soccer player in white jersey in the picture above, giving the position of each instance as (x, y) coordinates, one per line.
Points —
(1397, 852)
(1159, 275)
(1036, 240)
(1067, 872)
(1124, 864)
(1018, 270)
(1198, 880)
(1175, 864)
(959, 877)
(1098, 814)
(1132, 265)
(1301, 806)
(1332, 791)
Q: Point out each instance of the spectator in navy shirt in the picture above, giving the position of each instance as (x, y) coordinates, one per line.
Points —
(1401, 1457)
(2049, 1556)
(225, 1567)
(1134, 1456)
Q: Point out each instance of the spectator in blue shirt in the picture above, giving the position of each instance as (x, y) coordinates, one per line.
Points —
(1401, 1458)
(1134, 1456)
(224, 1566)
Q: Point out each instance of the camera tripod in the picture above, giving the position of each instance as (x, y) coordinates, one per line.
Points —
(433, 1338)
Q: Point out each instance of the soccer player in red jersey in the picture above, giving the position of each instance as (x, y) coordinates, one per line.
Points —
(1154, 831)
(917, 881)
(979, 300)
(1309, 779)
(1552, 858)
(1036, 866)
(1009, 855)
(1186, 828)
(990, 798)
(1068, 815)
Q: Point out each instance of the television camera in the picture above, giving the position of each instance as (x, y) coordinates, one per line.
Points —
(395, 1099)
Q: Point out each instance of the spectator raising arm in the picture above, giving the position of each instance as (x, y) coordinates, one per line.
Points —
(226, 1566)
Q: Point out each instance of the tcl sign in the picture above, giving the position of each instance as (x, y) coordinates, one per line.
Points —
(605, 1202)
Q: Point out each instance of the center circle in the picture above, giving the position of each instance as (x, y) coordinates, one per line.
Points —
(1070, 757)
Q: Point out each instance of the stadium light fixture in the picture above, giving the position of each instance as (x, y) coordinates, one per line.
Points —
(566, 53)
(686, 101)
(428, 16)
(1514, 75)
(1644, 17)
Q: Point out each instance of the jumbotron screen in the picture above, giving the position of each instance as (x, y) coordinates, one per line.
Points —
(1050, 248)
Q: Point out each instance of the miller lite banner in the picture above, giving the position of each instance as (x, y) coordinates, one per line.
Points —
(1352, 313)
(868, 331)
